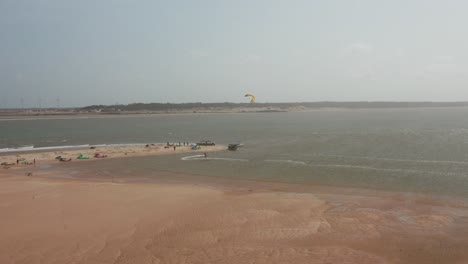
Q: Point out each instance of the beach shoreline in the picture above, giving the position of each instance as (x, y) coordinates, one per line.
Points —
(33, 158)
(52, 115)
(49, 218)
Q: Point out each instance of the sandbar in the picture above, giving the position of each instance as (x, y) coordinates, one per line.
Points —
(56, 220)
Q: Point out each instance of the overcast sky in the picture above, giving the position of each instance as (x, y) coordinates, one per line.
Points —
(106, 51)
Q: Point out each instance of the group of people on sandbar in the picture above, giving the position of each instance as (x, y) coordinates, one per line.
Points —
(180, 144)
(175, 145)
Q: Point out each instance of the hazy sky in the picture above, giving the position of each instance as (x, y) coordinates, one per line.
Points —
(106, 51)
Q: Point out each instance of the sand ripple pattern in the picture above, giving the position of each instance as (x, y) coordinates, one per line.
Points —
(89, 222)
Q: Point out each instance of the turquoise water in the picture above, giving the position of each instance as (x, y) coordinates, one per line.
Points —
(405, 149)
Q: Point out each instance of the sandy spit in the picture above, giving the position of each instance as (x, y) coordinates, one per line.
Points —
(109, 151)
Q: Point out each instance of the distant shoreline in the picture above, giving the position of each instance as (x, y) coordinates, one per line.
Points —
(38, 114)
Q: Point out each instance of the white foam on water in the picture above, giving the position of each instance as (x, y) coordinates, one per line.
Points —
(228, 159)
(193, 157)
(32, 148)
(383, 169)
(25, 148)
(295, 162)
(202, 157)
(387, 159)
(45, 118)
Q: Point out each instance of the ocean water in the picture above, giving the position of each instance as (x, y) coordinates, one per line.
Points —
(422, 150)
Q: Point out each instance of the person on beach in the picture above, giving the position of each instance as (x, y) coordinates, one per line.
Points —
(17, 162)
(174, 146)
(205, 155)
(34, 162)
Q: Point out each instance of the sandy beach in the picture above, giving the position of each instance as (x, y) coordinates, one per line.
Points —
(50, 220)
(109, 151)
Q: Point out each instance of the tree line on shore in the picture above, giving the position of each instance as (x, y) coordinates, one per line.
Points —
(228, 106)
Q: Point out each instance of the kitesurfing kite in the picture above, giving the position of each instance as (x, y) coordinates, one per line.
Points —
(252, 98)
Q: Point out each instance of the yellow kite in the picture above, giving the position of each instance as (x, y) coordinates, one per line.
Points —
(252, 98)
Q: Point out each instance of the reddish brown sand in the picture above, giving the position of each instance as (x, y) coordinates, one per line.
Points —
(45, 220)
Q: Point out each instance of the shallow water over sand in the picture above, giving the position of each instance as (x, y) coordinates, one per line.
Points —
(422, 150)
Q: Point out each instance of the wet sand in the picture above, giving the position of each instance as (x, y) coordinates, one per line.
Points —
(52, 220)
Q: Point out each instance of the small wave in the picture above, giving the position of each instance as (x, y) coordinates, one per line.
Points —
(229, 159)
(295, 162)
(24, 148)
(387, 170)
(45, 118)
(386, 159)
(202, 157)
(401, 160)
(53, 141)
(193, 157)
(30, 148)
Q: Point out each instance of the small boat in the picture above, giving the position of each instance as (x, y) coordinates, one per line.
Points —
(233, 146)
(206, 143)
